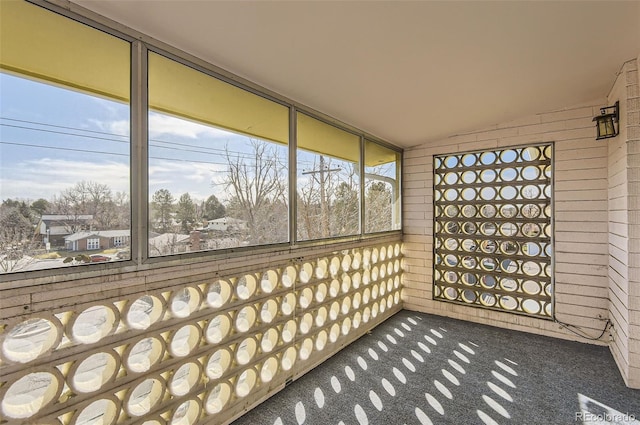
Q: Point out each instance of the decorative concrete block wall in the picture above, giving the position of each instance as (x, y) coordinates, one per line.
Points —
(580, 205)
(187, 344)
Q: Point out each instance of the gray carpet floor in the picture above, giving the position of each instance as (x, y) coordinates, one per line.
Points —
(421, 369)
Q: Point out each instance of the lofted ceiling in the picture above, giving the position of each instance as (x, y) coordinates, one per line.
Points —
(406, 71)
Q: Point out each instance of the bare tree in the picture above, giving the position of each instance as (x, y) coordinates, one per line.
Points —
(86, 198)
(18, 241)
(258, 188)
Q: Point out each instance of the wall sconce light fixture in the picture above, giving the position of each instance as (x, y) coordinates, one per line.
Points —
(607, 121)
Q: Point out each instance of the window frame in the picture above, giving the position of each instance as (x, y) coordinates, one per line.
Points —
(140, 45)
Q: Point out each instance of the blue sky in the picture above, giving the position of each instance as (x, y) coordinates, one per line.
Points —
(52, 138)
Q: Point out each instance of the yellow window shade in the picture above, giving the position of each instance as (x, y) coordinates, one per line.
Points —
(325, 139)
(182, 91)
(40, 44)
(375, 154)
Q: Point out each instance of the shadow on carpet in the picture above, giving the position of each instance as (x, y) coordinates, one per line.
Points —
(421, 369)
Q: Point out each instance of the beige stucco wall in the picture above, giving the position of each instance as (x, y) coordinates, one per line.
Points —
(624, 225)
(581, 248)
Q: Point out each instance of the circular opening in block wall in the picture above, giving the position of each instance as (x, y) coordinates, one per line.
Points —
(268, 311)
(356, 300)
(356, 279)
(321, 268)
(246, 350)
(245, 319)
(390, 268)
(374, 255)
(144, 354)
(396, 297)
(383, 305)
(93, 324)
(346, 326)
(346, 263)
(289, 331)
(29, 394)
(357, 261)
(334, 266)
(374, 273)
(366, 314)
(383, 288)
(374, 310)
(246, 382)
(187, 413)
(488, 299)
(100, 412)
(306, 271)
(306, 323)
(217, 329)
(508, 303)
(184, 340)
(334, 332)
(321, 316)
(184, 302)
(306, 297)
(334, 310)
(374, 292)
(397, 249)
(289, 276)
(321, 340)
(288, 358)
(306, 348)
(334, 289)
(288, 304)
(383, 271)
(531, 287)
(269, 281)
(321, 292)
(346, 283)
(366, 296)
(346, 305)
(144, 397)
(246, 286)
(389, 285)
(383, 253)
(184, 379)
(144, 312)
(396, 282)
(27, 340)
(531, 306)
(366, 257)
(357, 318)
(218, 363)
(269, 340)
(390, 301)
(366, 277)
(219, 293)
(93, 372)
(217, 398)
(269, 369)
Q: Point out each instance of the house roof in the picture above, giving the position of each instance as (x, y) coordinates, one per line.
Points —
(66, 217)
(406, 71)
(97, 233)
(168, 238)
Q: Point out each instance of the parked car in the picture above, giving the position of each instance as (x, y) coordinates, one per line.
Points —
(124, 254)
(98, 258)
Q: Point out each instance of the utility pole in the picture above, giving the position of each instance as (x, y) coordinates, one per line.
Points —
(324, 205)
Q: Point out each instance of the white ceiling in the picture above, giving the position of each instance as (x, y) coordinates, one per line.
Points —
(407, 72)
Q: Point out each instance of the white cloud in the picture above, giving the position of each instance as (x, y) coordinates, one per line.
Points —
(45, 177)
